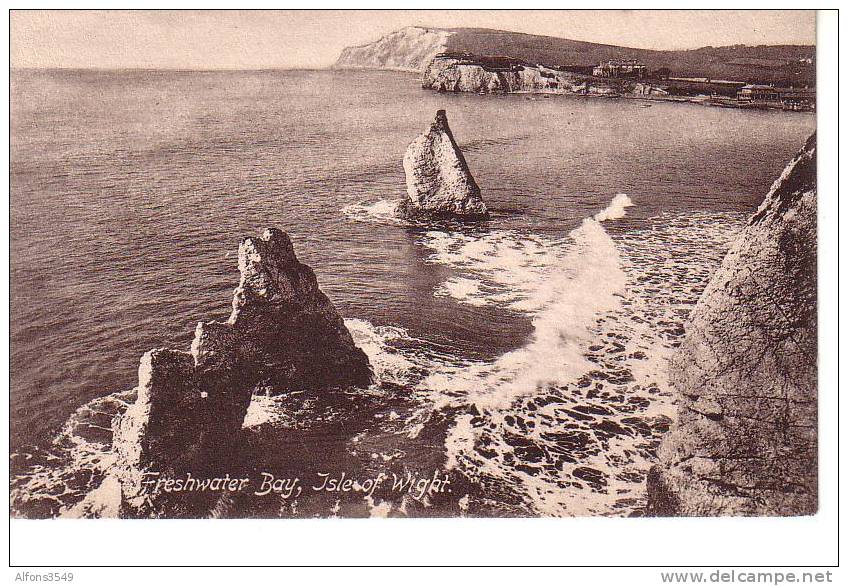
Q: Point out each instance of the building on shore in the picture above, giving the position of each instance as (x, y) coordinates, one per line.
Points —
(621, 68)
(758, 96)
(767, 96)
(797, 99)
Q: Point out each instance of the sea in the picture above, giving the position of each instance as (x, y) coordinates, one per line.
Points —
(522, 359)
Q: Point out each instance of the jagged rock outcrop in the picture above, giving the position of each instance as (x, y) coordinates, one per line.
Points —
(494, 75)
(281, 325)
(438, 182)
(409, 49)
(646, 89)
(283, 334)
(745, 442)
(465, 73)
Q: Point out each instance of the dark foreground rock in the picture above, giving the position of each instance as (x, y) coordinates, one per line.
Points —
(745, 442)
(438, 181)
(283, 334)
(282, 326)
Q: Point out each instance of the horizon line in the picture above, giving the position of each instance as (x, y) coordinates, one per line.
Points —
(99, 68)
(330, 65)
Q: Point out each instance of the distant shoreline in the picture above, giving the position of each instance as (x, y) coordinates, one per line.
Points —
(703, 100)
(697, 100)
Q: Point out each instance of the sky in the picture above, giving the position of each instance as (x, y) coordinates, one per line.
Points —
(187, 39)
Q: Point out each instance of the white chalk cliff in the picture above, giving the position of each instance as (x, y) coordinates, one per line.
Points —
(500, 75)
(409, 49)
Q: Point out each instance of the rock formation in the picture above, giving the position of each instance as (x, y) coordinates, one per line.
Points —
(281, 325)
(500, 75)
(283, 334)
(438, 182)
(465, 73)
(745, 441)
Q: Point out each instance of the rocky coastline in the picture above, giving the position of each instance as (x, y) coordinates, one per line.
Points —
(487, 61)
(501, 75)
(283, 335)
(745, 441)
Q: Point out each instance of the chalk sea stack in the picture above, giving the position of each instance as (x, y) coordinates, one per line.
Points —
(283, 335)
(745, 441)
(438, 182)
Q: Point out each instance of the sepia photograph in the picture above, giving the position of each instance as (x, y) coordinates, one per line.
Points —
(320, 264)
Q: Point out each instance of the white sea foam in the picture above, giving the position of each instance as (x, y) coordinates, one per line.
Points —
(389, 364)
(566, 286)
(501, 267)
(76, 451)
(583, 446)
(104, 502)
(463, 289)
(383, 211)
(562, 284)
(616, 209)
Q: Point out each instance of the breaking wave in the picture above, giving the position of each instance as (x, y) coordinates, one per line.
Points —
(66, 480)
(569, 423)
(565, 425)
(562, 284)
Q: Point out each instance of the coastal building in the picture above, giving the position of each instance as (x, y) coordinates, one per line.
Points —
(621, 68)
(798, 99)
(762, 96)
(766, 96)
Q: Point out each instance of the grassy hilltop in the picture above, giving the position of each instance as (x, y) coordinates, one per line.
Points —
(779, 64)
